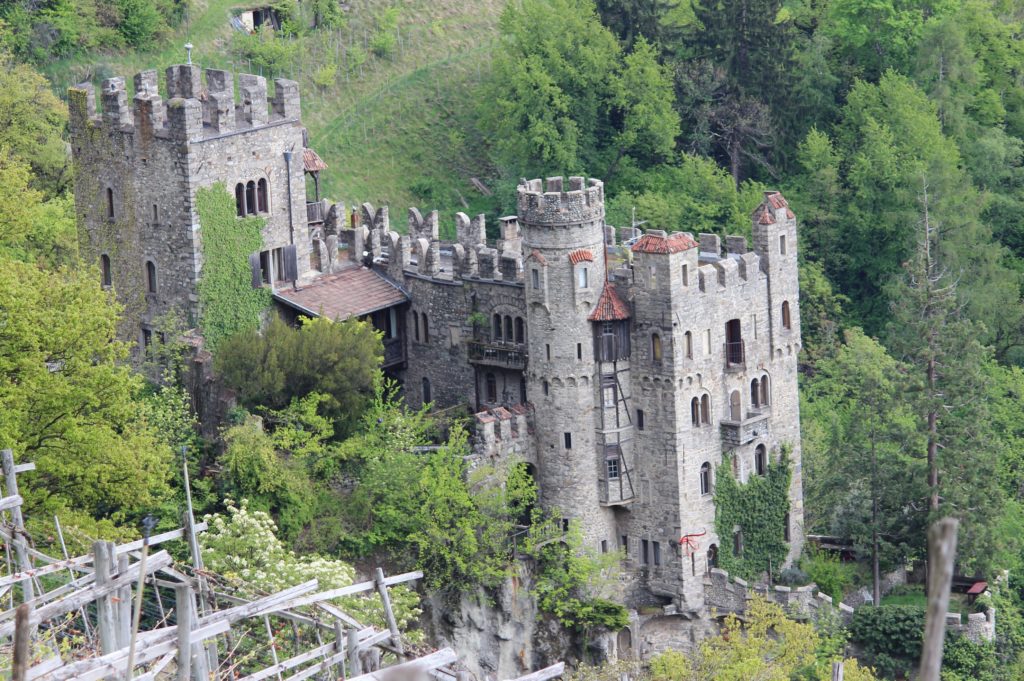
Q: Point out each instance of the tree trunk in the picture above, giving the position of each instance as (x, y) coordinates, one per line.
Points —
(876, 573)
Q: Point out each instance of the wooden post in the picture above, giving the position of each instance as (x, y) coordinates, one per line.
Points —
(273, 644)
(354, 668)
(200, 656)
(22, 642)
(106, 614)
(124, 600)
(71, 573)
(24, 563)
(183, 608)
(941, 551)
(837, 671)
(389, 614)
(197, 560)
(339, 646)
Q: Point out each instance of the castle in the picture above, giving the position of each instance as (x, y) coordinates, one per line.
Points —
(624, 376)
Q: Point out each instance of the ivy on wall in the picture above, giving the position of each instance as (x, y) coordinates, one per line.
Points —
(758, 509)
(229, 303)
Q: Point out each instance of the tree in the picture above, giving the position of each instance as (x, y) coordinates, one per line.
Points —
(339, 360)
(863, 480)
(69, 403)
(33, 228)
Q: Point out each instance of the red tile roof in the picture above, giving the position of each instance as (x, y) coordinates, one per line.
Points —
(764, 215)
(578, 256)
(773, 201)
(353, 292)
(312, 162)
(673, 243)
(610, 306)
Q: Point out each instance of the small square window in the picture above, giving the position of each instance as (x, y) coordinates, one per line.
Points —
(613, 468)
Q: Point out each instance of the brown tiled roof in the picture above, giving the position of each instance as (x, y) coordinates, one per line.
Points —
(353, 292)
(536, 255)
(673, 243)
(773, 201)
(312, 162)
(610, 306)
(764, 215)
(578, 256)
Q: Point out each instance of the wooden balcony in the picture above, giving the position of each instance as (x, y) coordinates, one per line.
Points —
(615, 491)
(503, 355)
(394, 352)
(315, 213)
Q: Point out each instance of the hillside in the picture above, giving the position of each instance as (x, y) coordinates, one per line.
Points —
(394, 129)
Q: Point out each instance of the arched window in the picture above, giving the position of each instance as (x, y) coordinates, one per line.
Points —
(496, 330)
(737, 543)
(150, 276)
(416, 325)
(712, 556)
(250, 198)
(426, 329)
(755, 393)
(110, 203)
(508, 329)
(240, 199)
(761, 460)
(695, 411)
(764, 391)
(656, 348)
(705, 409)
(705, 478)
(520, 330)
(261, 195)
(105, 269)
(689, 345)
(787, 322)
(491, 384)
(735, 406)
(426, 390)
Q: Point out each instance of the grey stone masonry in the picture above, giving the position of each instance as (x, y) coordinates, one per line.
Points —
(140, 160)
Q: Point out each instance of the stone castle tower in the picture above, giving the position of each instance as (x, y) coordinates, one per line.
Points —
(139, 163)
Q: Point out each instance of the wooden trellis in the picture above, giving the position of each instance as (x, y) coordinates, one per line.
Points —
(98, 591)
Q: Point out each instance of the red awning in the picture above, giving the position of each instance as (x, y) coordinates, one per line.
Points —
(977, 588)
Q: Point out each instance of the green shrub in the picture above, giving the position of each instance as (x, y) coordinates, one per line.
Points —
(890, 636)
(825, 569)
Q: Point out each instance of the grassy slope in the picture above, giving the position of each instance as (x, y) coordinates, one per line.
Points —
(396, 131)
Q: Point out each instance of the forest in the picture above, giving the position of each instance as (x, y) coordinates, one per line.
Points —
(895, 128)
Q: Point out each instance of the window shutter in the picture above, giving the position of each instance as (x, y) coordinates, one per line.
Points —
(291, 263)
(254, 265)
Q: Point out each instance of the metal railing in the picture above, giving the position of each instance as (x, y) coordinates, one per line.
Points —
(507, 355)
(735, 355)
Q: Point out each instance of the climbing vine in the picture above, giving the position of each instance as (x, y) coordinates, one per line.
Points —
(229, 302)
(758, 509)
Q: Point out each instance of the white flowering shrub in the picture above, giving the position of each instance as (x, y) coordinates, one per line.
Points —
(243, 548)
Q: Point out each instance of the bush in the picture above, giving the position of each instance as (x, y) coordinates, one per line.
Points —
(964, 660)
(890, 635)
(793, 577)
(825, 569)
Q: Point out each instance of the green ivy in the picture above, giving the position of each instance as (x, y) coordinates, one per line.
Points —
(229, 303)
(759, 509)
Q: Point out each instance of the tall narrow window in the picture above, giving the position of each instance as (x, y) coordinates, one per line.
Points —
(686, 275)
(492, 388)
(608, 395)
(737, 543)
(110, 203)
(261, 195)
(639, 419)
(546, 387)
(426, 390)
(582, 277)
(705, 478)
(782, 244)
(520, 330)
(712, 556)
(535, 278)
(735, 406)
(416, 326)
(150, 276)
(579, 351)
(496, 328)
(785, 527)
(522, 390)
(508, 329)
(250, 198)
(787, 322)
(645, 550)
(156, 215)
(761, 460)
(755, 393)
(105, 269)
(705, 409)
(240, 199)
(547, 350)
(656, 348)
(426, 329)
(693, 564)
(688, 338)
(567, 440)
(764, 391)
(695, 411)
(656, 546)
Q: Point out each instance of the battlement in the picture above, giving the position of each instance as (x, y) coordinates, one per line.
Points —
(500, 433)
(560, 203)
(195, 107)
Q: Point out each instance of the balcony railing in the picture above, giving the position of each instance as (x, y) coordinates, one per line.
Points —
(735, 356)
(314, 212)
(505, 355)
(737, 433)
(394, 352)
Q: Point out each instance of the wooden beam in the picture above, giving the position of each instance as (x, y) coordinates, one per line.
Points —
(20, 545)
(554, 671)
(23, 468)
(389, 614)
(420, 664)
(10, 502)
(282, 600)
(291, 662)
(353, 589)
